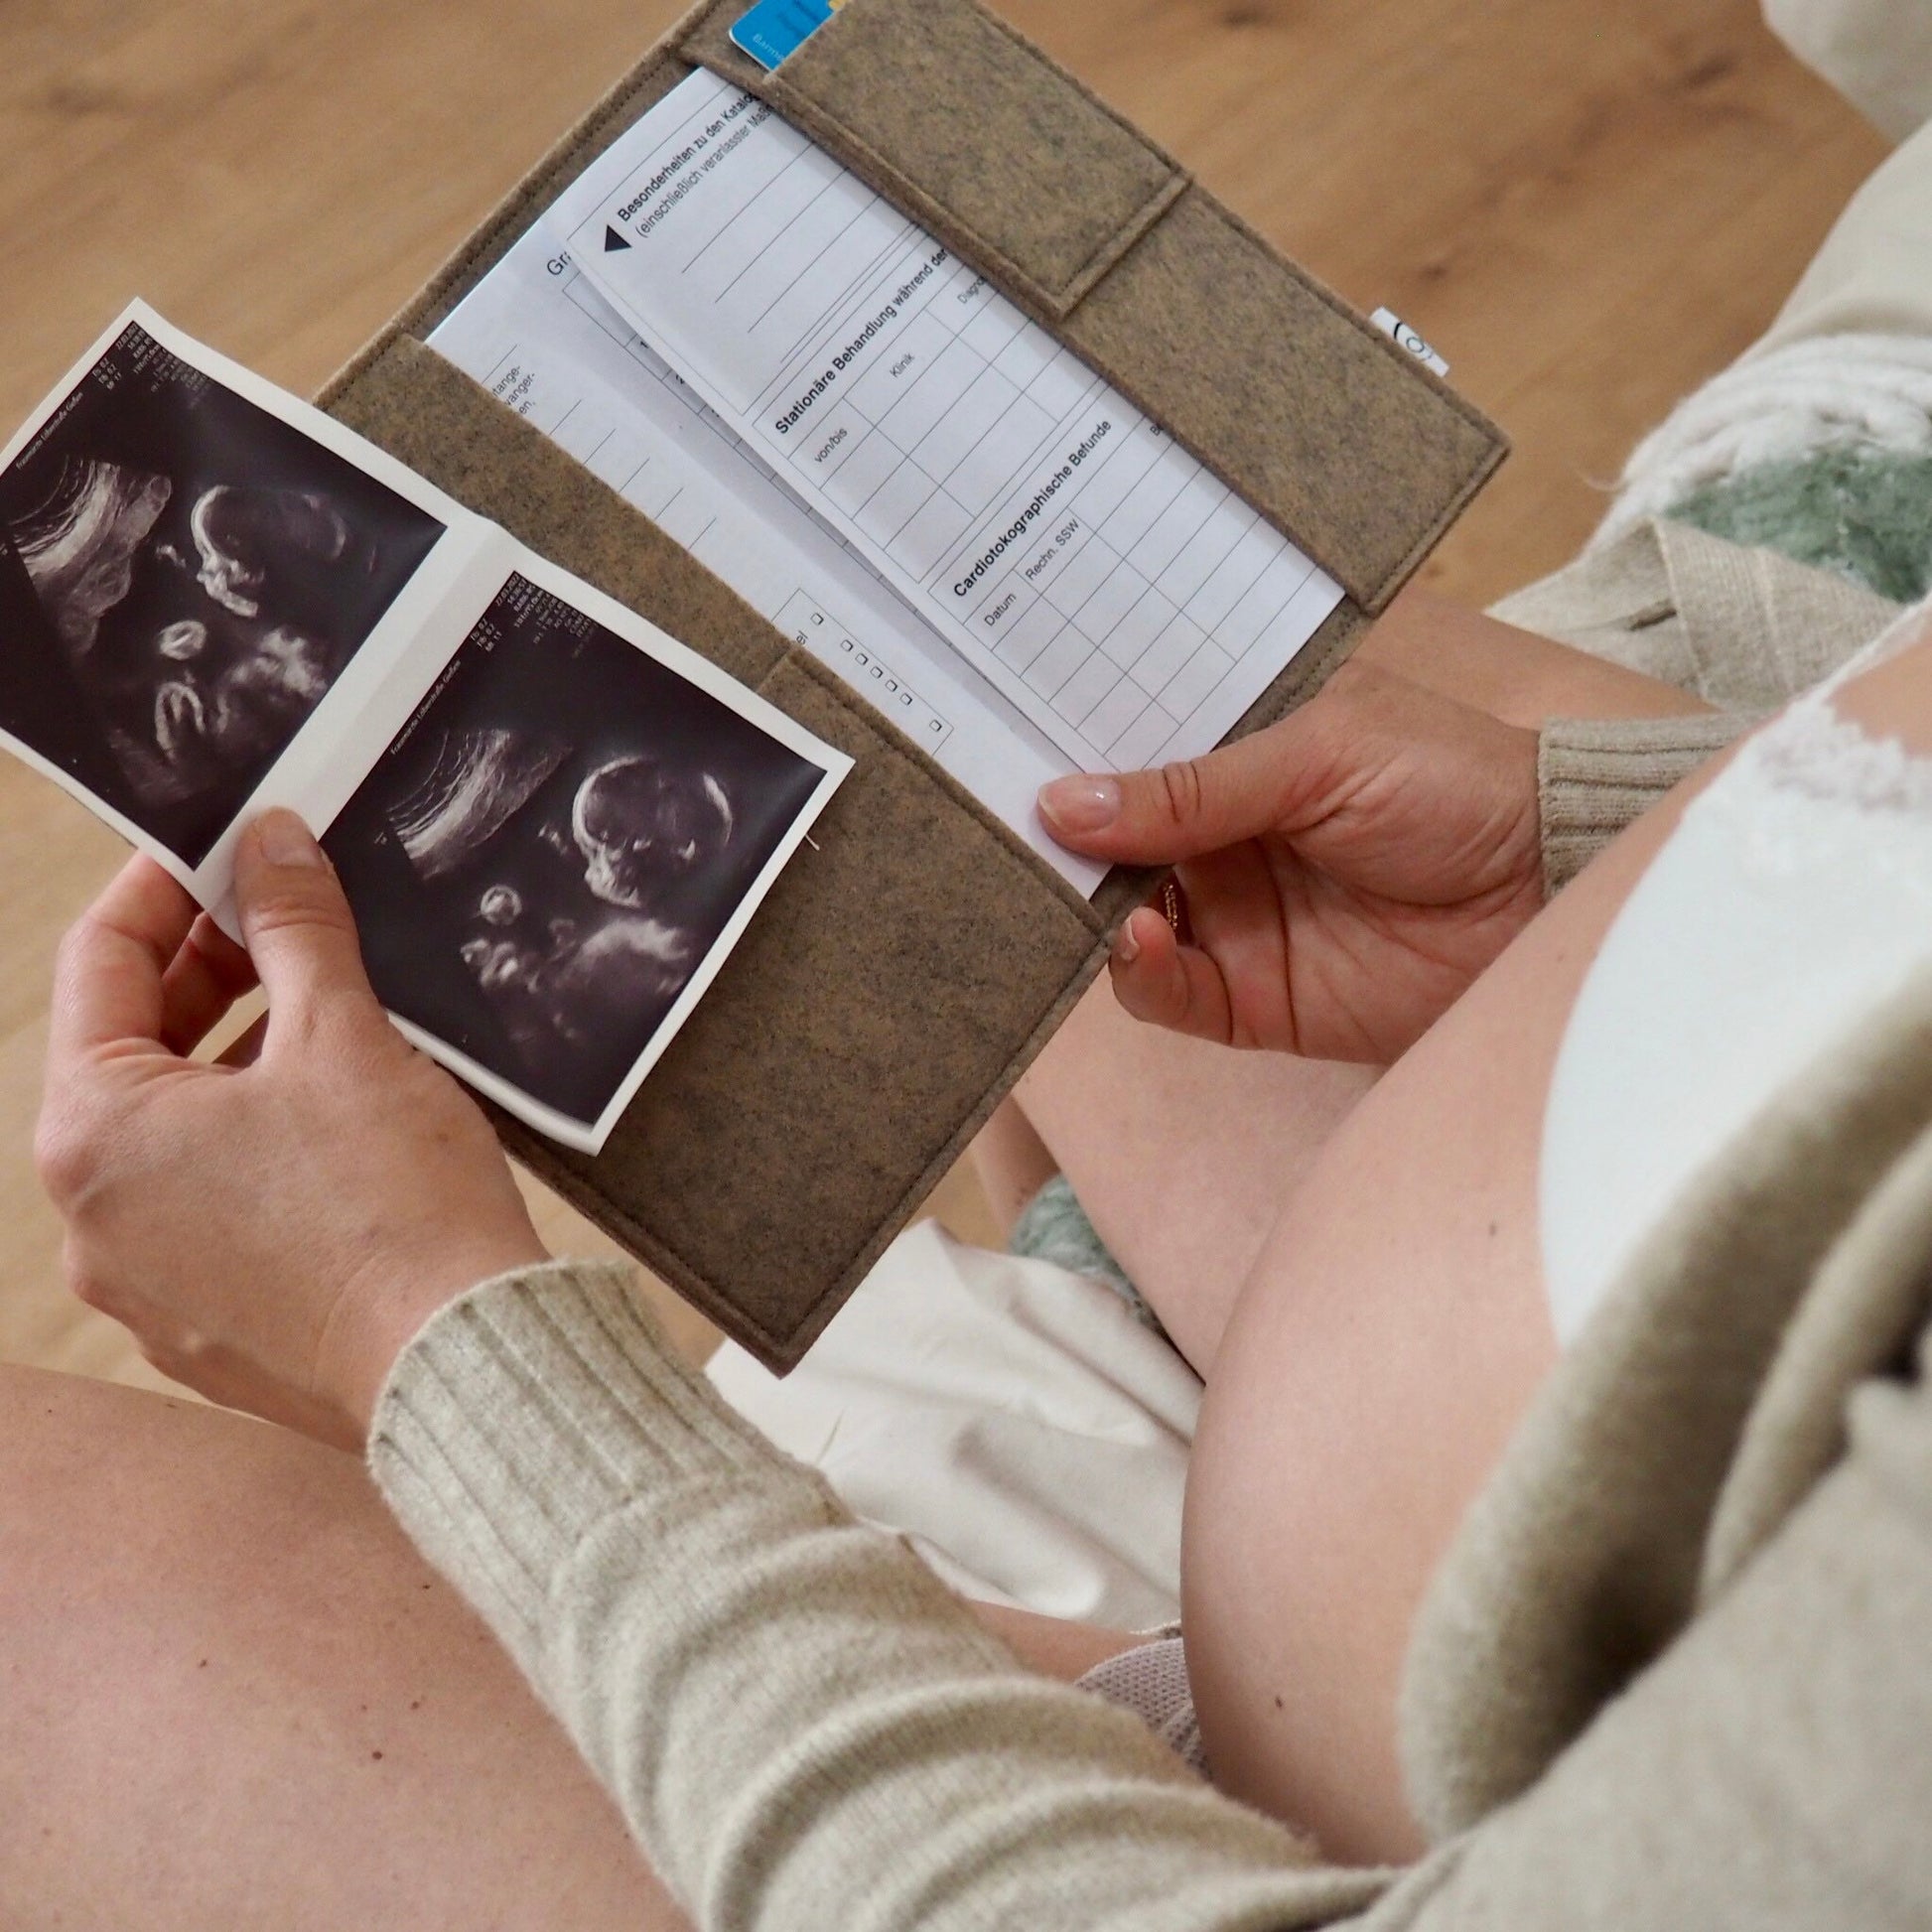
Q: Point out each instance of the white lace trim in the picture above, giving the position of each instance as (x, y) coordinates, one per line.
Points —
(1816, 753)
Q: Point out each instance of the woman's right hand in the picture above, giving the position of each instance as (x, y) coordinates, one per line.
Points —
(1347, 871)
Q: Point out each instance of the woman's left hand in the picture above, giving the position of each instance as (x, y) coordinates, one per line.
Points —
(271, 1232)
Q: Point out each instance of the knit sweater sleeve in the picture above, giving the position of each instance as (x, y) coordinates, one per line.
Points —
(806, 1731)
(1595, 776)
(803, 1727)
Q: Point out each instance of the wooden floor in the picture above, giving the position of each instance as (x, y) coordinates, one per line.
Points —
(1588, 209)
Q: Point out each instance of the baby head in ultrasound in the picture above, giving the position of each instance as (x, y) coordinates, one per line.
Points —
(588, 874)
(201, 622)
(641, 826)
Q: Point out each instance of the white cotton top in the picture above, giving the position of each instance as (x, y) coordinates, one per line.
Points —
(1795, 893)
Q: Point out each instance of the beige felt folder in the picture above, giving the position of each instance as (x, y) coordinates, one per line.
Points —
(904, 972)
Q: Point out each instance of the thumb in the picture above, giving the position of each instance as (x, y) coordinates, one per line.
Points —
(296, 921)
(1182, 809)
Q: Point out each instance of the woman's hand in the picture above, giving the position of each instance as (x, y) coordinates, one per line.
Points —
(1347, 871)
(272, 1232)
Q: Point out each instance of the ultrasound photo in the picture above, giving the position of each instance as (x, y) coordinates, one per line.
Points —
(554, 844)
(182, 577)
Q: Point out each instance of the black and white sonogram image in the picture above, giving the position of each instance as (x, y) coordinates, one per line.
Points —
(182, 577)
(553, 845)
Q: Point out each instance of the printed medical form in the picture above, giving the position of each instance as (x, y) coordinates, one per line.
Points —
(1028, 558)
(539, 335)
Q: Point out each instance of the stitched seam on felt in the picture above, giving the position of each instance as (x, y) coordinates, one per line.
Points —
(909, 196)
(1079, 86)
(1126, 239)
(1125, 233)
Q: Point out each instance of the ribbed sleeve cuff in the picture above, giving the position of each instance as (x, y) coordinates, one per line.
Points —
(1595, 776)
(527, 1411)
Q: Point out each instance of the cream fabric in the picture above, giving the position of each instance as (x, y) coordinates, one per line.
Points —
(1868, 277)
(1848, 355)
(1864, 393)
(1877, 53)
(1743, 628)
(1010, 1417)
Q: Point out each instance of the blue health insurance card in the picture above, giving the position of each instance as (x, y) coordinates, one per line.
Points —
(774, 27)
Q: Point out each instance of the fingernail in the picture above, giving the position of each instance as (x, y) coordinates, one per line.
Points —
(284, 840)
(1081, 804)
(1127, 948)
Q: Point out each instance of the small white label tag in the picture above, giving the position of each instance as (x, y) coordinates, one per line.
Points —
(1393, 326)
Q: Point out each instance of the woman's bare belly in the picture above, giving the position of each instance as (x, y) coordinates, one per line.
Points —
(1374, 1366)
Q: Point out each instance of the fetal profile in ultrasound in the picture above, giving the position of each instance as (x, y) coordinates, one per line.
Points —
(554, 845)
(183, 578)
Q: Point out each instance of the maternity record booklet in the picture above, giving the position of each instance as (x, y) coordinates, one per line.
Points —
(553, 821)
(882, 454)
(910, 384)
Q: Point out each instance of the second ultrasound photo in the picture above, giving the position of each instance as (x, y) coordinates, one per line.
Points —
(555, 843)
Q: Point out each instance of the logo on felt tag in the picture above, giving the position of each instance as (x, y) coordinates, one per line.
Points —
(1392, 326)
(775, 27)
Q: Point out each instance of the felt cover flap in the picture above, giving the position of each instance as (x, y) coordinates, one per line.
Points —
(1344, 442)
(958, 120)
(1342, 439)
(902, 974)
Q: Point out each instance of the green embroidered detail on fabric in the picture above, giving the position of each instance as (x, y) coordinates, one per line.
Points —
(1862, 512)
(1053, 1226)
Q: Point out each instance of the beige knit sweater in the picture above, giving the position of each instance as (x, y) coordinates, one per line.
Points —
(1677, 1671)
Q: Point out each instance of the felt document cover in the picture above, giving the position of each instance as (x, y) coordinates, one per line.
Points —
(921, 950)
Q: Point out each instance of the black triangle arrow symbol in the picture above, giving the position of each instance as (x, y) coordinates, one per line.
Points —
(612, 241)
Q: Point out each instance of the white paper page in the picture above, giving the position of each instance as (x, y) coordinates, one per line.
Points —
(1121, 596)
(536, 333)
